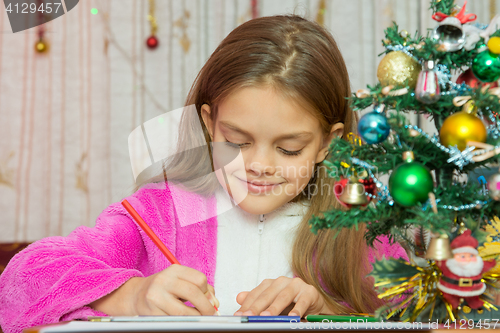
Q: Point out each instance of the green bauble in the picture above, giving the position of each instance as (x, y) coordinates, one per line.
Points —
(410, 183)
(486, 66)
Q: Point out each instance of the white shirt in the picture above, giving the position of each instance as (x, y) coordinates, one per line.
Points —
(251, 248)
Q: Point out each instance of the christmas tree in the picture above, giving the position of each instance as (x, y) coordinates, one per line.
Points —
(446, 218)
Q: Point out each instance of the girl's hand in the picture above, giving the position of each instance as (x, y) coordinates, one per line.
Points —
(164, 293)
(273, 296)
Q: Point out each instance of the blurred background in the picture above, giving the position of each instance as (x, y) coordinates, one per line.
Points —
(67, 108)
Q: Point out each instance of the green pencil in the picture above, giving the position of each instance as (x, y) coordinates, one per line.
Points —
(344, 318)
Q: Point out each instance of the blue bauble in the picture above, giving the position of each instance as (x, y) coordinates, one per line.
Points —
(373, 127)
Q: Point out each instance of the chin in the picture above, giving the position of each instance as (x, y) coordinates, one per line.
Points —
(259, 204)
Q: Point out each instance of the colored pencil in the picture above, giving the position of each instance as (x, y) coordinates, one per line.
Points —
(340, 318)
(163, 248)
(202, 319)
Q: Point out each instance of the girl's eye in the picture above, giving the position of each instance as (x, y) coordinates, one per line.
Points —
(291, 153)
(284, 151)
(235, 145)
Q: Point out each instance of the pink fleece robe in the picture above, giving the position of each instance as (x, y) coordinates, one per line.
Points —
(54, 279)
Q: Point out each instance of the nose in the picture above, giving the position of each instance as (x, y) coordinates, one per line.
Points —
(260, 162)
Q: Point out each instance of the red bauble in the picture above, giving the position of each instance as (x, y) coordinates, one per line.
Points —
(472, 81)
(152, 42)
(369, 185)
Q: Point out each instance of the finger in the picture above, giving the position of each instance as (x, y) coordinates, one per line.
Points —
(281, 301)
(241, 297)
(210, 294)
(192, 276)
(211, 289)
(254, 295)
(267, 296)
(174, 307)
(300, 307)
(305, 303)
(190, 292)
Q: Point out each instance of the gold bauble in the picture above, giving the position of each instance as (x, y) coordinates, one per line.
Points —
(461, 127)
(41, 46)
(396, 68)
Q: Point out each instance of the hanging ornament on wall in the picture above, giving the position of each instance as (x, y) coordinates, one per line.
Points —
(41, 46)
(469, 79)
(374, 127)
(254, 4)
(320, 16)
(427, 89)
(494, 186)
(449, 33)
(461, 127)
(411, 182)
(152, 41)
(397, 69)
(486, 66)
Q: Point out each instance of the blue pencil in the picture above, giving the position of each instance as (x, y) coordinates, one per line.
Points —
(273, 319)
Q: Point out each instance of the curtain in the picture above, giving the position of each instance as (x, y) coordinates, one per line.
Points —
(65, 115)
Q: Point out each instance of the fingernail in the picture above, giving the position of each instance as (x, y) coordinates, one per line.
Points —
(248, 313)
(265, 313)
(238, 313)
(292, 314)
(211, 301)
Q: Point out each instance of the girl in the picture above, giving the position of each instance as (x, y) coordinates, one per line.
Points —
(269, 100)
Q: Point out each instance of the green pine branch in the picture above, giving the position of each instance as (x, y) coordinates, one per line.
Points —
(485, 102)
(443, 6)
(425, 48)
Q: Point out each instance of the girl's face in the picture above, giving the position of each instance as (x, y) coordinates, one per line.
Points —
(267, 146)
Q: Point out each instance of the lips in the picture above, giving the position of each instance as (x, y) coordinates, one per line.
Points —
(259, 187)
(263, 184)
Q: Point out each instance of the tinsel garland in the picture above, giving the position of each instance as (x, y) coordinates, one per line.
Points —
(412, 294)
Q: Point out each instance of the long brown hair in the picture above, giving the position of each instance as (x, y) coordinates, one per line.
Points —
(301, 60)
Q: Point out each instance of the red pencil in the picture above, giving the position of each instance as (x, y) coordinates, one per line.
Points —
(152, 235)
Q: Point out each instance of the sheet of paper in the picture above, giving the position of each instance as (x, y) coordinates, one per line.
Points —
(85, 326)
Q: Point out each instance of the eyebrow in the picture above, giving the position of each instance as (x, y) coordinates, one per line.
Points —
(297, 135)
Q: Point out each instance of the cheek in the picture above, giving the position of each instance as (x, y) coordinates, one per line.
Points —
(299, 171)
(227, 157)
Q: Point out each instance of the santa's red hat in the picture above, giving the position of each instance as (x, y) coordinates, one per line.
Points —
(465, 243)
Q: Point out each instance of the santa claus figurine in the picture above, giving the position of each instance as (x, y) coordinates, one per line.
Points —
(461, 278)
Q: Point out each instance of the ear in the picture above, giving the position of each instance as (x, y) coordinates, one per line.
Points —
(336, 131)
(207, 119)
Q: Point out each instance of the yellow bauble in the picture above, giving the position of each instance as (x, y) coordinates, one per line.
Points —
(41, 46)
(494, 45)
(461, 127)
(397, 67)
